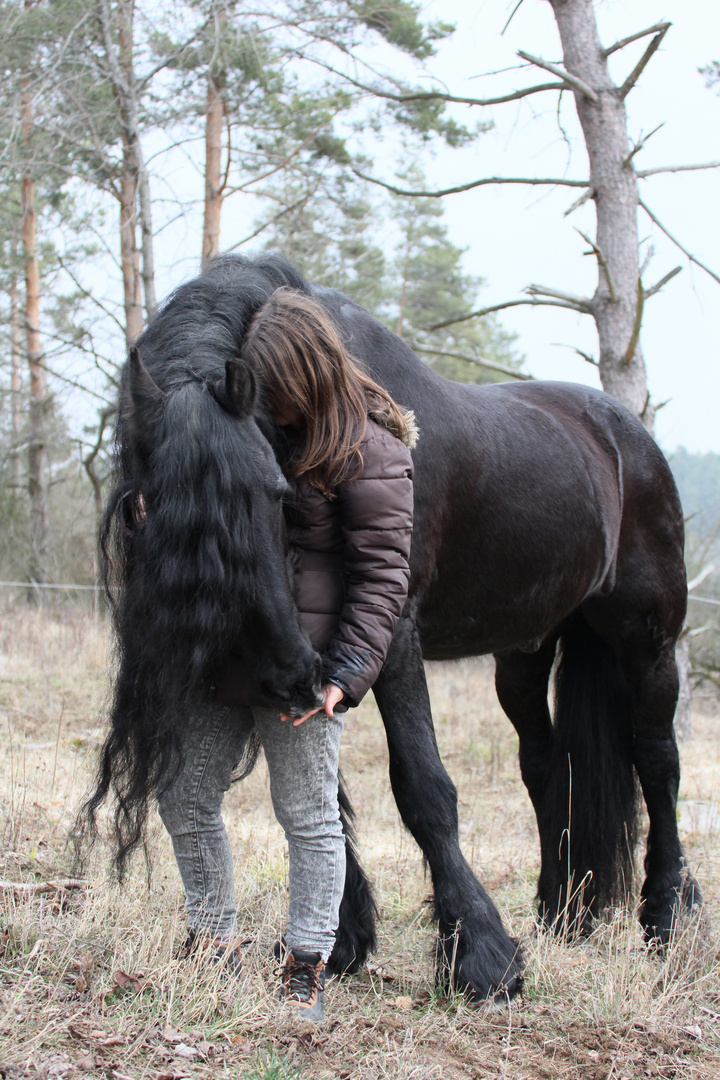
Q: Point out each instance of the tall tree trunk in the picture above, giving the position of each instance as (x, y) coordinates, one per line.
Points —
(129, 251)
(37, 455)
(617, 303)
(214, 181)
(15, 376)
(122, 75)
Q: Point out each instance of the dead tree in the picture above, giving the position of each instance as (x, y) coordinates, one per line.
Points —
(617, 305)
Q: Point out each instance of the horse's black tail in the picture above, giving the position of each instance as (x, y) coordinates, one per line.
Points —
(590, 827)
(356, 936)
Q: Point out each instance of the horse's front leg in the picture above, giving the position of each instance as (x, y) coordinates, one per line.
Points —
(474, 952)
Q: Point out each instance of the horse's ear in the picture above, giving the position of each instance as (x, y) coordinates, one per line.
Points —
(240, 387)
(142, 398)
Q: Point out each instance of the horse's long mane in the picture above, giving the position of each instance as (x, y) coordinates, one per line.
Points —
(177, 562)
(202, 323)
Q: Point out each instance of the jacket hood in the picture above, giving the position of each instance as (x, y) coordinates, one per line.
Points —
(383, 416)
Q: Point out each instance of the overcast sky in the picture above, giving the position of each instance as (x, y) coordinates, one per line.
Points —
(516, 236)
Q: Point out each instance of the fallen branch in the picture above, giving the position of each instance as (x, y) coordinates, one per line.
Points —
(556, 69)
(33, 888)
(677, 243)
(473, 184)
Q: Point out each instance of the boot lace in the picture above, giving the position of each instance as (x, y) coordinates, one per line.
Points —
(302, 981)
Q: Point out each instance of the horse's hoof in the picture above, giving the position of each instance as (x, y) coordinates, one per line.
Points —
(491, 974)
(661, 916)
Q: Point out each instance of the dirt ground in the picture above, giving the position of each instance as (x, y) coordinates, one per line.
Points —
(88, 981)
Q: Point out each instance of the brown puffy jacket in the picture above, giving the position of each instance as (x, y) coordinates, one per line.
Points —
(350, 560)
(350, 556)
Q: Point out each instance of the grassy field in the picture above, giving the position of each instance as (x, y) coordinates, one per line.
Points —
(89, 986)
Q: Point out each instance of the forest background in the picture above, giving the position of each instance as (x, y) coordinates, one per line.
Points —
(140, 139)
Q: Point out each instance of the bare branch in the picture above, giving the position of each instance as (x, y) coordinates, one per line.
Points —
(286, 160)
(556, 69)
(637, 327)
(501, 307)
(81, 288)
(642, 62)
(663, 26)
(641, 143)
(589, 194)
(704, 573)
(580, 303)
(491, 365)
(438, 95)
(473, 184)
(603, 262)
(677, 243)
(662, 282)
(676, 168)
(511, 16)
(586, 356)
(267, 224)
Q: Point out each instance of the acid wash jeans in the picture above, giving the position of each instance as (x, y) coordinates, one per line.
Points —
(303, 766)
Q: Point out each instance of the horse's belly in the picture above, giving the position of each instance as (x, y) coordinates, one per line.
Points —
(476, 606)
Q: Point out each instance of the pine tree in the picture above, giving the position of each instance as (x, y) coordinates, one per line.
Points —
(430, 287)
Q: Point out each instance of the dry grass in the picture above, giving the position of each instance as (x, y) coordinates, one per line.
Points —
(599, 1010)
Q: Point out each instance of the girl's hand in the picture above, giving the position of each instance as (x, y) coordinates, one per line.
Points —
(333, 696)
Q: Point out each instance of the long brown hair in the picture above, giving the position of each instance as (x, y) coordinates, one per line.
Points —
(302, 364)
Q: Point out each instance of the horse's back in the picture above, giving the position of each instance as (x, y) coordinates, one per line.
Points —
(531, 499)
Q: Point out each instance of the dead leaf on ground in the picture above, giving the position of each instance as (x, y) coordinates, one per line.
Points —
(107, 1040)
(84, 962)
(183, 1050)
(172, 1036)
(403, 1003)
(137, 983)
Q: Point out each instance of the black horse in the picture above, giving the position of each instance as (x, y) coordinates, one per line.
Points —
(547, 528)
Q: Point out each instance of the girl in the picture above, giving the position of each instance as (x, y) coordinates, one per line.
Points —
(344, 450)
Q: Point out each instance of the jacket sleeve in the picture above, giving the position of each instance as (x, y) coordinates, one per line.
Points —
(376, 511)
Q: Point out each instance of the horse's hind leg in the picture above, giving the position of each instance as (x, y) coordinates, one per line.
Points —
(645, 644)
(474, 951)
(521, 681)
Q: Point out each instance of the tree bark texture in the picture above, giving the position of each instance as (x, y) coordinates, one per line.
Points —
(214, 180)
(16, 376)
(617, 303)
(37, 454)
(129, 251)
(121, 70)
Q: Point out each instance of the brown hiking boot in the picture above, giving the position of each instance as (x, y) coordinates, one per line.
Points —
(303, 986)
